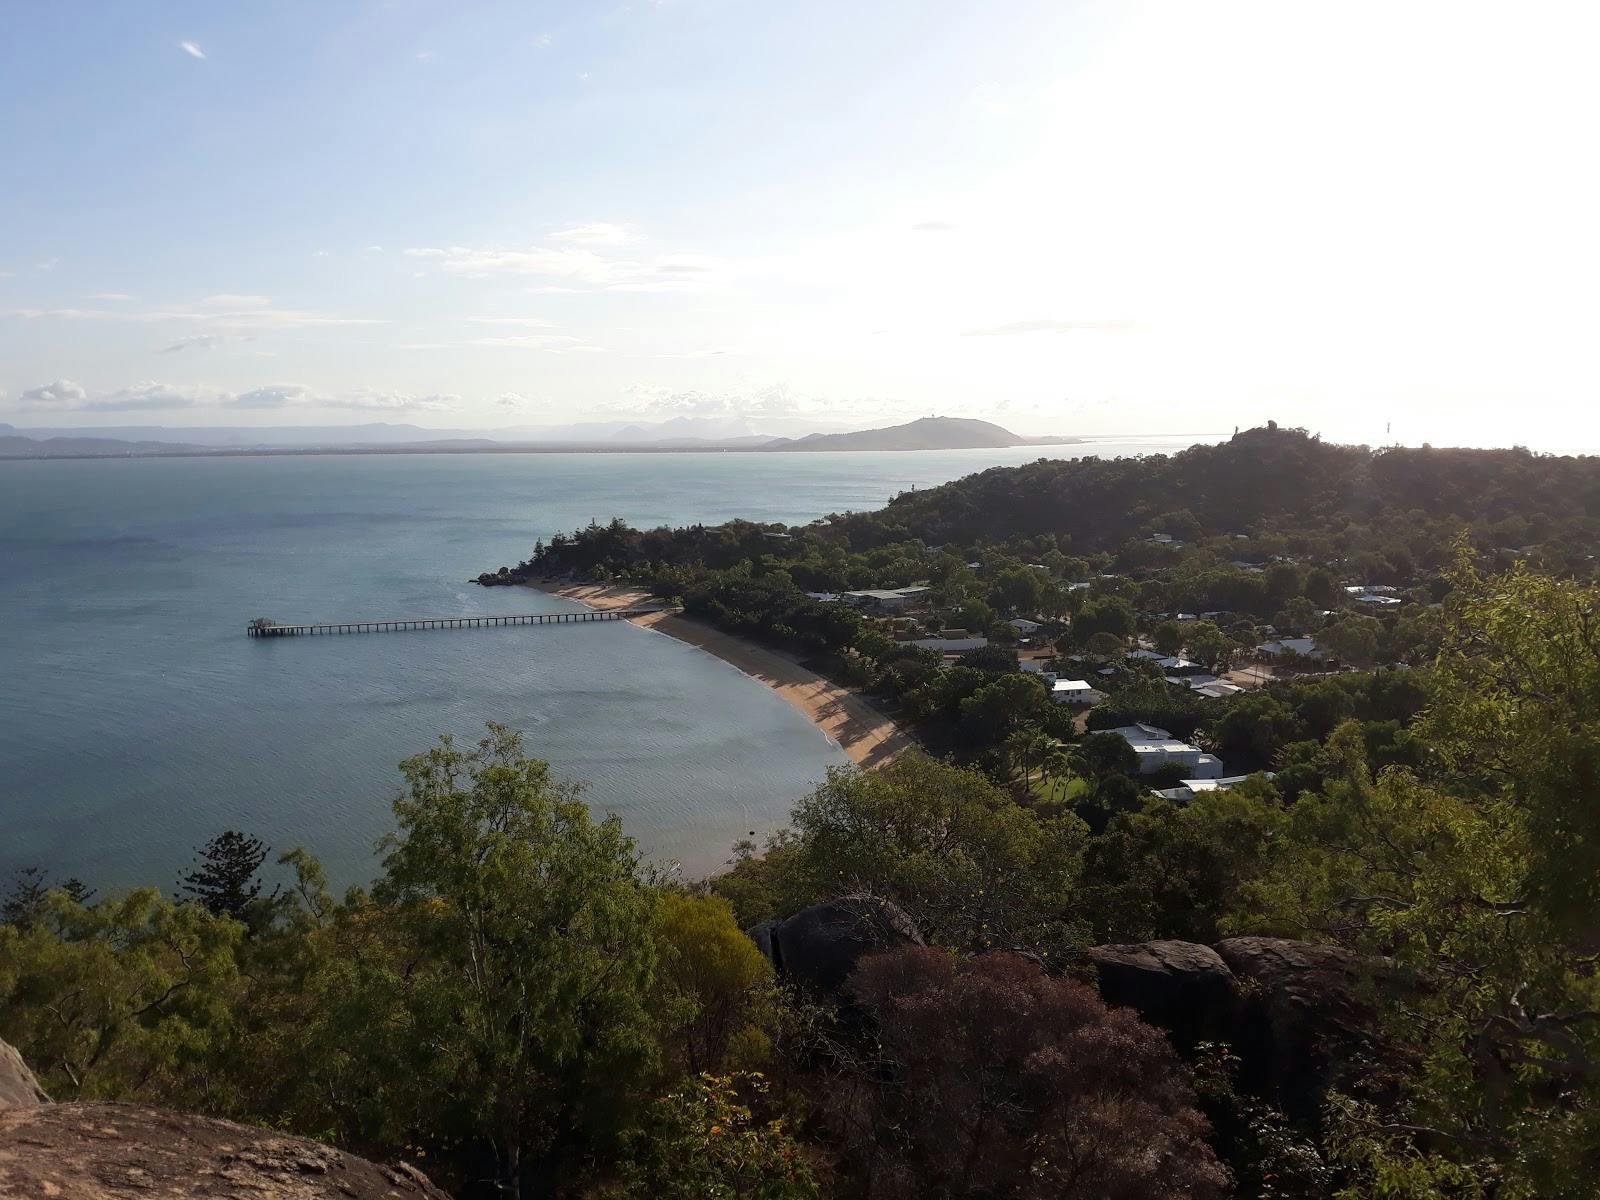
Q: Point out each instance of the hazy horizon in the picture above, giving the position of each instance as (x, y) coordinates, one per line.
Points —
(1373, 221)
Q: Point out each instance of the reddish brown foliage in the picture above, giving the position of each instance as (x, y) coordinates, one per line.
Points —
(993, 1079)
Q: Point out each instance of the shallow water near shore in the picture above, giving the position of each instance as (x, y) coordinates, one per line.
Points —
(137, 720)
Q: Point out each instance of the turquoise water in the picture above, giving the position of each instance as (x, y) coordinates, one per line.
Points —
(137, 720)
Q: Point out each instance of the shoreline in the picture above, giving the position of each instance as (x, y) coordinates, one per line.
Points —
(867, 737)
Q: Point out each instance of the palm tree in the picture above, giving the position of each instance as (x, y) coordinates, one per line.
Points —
(1019, 751)
(1057, 760)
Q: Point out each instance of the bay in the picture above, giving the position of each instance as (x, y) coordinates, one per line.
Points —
(137, 720)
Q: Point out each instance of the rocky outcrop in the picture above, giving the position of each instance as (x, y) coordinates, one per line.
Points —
(18, 1087)
(1181, 987)
(122, 1151)
(816, 949)
(1307, 1020)
(117, 1151)
(1299, 1014)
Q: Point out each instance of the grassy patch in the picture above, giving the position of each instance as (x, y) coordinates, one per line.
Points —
(1062, 789)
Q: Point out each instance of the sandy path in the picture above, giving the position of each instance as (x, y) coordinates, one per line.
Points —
(865, 735)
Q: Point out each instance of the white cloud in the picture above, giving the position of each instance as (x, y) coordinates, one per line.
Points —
(223, 314)
(191, 50)
(550, 343)
(296, 395)
(934, 227)
(543, 40)
(709, 352)
(110, 296)
(200, 341)
(65, 395)
(424, 55)
(1012, 328)
(595, 233)
(588, 261)
(556, 342)
(378, 401)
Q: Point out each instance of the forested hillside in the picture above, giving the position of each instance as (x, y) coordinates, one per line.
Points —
(1265, 482)
(1373, 975)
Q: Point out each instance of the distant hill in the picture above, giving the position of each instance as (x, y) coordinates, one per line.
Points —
(1316, 498)
(925, 433)
(85, 447)
(680, 434)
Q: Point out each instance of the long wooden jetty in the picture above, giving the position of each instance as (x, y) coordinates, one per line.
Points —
(261, 627)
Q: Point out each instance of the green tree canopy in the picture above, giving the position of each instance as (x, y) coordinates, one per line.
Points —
(969, 866)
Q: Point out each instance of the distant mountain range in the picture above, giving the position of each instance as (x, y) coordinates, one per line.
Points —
(682, 433)
(925, 433)
(15, 446)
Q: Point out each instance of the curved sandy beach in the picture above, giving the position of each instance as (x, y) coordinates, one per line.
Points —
(865, 735)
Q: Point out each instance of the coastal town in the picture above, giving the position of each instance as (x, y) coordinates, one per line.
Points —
(1164, 657)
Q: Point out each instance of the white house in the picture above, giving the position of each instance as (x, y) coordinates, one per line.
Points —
(1304, 647)
(952, 641)
(1024, 626)
(1155, 748)
(1384, 601)
(1217, 689)
(1188, 789)
(1074, 691)
(887, 599)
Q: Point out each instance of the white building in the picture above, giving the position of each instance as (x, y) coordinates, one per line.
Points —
(887, 599)
(953, 641)
(1074, 691)
(1304, 647)
(1217, 689)
(1024, 626)
(1155, 748)
(1188, 789)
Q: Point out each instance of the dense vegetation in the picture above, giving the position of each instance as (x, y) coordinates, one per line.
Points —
(520, 1006)
(1265, 532)
(517, 999)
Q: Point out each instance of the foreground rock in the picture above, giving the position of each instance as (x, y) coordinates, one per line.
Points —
(117, 1151)
(818, 947)
(18, 1087)
(1300, 1015)
(113, 1151)
(1307, 1018)
(1181, 987)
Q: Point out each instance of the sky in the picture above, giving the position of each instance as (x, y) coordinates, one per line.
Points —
(1377, 220)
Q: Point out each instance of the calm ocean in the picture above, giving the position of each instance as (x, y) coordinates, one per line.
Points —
(137, 720)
